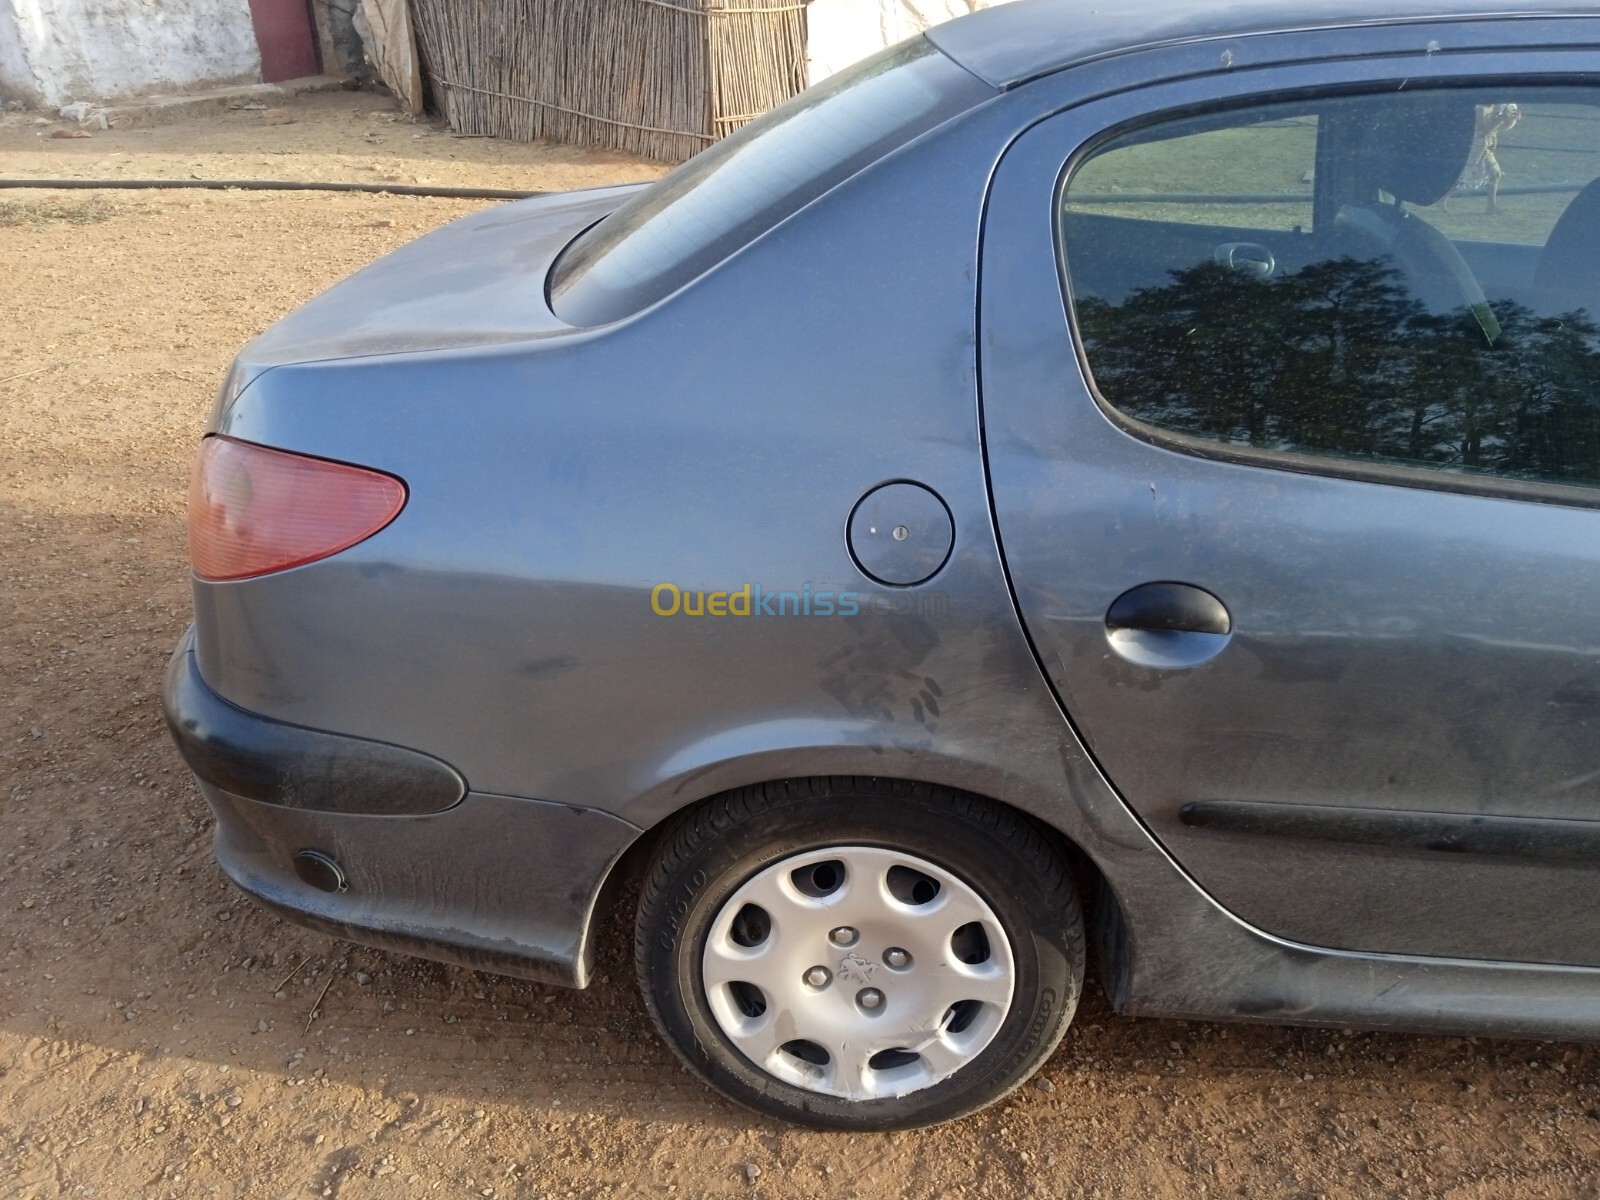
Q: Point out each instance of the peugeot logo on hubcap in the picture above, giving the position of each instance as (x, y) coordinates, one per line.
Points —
(854, 967)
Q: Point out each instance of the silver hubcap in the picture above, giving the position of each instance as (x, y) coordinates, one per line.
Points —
(858, 972)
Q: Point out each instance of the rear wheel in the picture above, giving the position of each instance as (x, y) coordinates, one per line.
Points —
(858, 955)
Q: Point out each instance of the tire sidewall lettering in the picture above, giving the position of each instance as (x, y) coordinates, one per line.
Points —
(1041, 1014)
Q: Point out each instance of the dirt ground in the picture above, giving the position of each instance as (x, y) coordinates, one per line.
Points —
(162, 1037)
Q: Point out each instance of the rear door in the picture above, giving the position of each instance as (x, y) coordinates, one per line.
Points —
(1303, 525)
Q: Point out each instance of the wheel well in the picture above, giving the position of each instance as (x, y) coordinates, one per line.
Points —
(1110, 957)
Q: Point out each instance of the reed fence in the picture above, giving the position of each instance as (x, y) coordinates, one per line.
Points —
(660, 78)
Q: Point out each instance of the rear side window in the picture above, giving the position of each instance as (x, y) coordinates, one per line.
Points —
(722, 198)
(1409, 279)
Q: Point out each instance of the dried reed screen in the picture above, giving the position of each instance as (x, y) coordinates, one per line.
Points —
(661, 78)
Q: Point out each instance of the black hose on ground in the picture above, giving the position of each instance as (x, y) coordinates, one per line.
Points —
(276, 185)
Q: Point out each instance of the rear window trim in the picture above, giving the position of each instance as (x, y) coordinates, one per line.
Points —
(964, 92)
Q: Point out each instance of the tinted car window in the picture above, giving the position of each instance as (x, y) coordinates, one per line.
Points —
(1255, 173)
(1410, 279)
(722, 198)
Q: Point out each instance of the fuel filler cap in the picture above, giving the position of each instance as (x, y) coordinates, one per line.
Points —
(901, 534)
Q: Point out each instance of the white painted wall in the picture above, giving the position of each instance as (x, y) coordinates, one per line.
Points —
(13, 66)
(841, 32)
(56, 51)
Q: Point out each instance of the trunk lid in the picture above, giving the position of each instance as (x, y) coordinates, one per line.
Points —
(477, 281)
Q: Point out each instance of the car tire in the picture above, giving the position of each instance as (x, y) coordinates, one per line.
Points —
(922, 956)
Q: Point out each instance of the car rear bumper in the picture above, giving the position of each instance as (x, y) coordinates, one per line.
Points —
(496, 883)
(259, 758)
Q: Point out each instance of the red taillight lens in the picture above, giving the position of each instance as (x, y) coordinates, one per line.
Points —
(253, 510)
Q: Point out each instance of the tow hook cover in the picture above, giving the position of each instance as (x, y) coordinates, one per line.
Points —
(321, 871)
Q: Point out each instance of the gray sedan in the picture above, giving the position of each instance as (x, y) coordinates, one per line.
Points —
(1123, 475)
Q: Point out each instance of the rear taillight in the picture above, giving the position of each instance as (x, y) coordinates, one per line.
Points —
(253, 510)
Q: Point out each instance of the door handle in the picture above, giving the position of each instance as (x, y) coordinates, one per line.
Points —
(1174, 607)
(1248, 258)
(1168, 625)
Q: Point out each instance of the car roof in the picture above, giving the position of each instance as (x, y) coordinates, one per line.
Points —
(1011, 43)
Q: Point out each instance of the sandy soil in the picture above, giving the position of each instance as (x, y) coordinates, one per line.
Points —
(162, 1037)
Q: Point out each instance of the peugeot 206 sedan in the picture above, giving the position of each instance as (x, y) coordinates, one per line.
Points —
(1125, 474)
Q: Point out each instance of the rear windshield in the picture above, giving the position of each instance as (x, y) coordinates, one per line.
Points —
(719, 200)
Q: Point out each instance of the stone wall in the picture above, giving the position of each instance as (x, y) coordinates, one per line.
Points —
(342, 52)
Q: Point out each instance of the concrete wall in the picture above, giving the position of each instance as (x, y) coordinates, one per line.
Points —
(56, 51)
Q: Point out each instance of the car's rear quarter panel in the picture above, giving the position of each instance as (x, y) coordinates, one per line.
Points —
(504, 623)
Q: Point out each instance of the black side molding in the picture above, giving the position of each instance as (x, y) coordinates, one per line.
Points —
(1548, 839)
(274, 762)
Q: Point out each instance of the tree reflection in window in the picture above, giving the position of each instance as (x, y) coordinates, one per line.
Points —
(1339, 359)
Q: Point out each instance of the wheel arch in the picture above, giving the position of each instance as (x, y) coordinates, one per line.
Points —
(1108, 927)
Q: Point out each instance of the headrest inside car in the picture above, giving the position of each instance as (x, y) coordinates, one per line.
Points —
(1415, 145)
